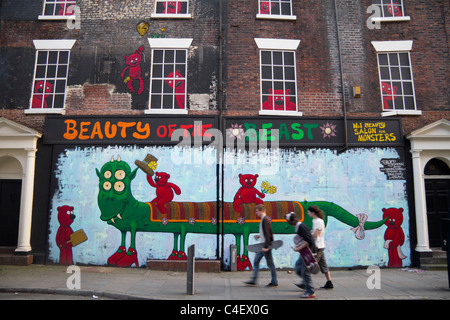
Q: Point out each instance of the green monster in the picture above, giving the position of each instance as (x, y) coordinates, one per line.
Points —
(120, 209)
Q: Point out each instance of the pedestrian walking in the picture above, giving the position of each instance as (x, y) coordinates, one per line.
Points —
(304, 233)
(318, 233)
(265, 236)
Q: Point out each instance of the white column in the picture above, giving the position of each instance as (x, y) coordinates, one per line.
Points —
(26, 204)
(423, 244)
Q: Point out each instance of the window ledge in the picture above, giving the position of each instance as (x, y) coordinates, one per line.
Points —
(171, 16)
(166, 111)
(280, 113)
(61, 17)
(45, 111)
(275, 17)
(401, 113)
(391, 19)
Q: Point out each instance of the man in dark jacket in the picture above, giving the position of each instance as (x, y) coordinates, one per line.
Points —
(265, 236)
(307, 239)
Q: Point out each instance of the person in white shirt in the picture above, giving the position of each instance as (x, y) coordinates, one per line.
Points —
(318, 233)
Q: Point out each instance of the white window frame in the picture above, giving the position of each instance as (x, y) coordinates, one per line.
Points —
(280, 16)
(282, 45)
(384, 18)
(168, 44)
(388, 47)
(186, 15)
(55, 16)
(50, 45)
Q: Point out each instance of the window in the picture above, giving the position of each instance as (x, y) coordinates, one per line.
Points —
(278, 76)
(168, 80)
(171, 9)
(275, 9)
(396, 78)
(50, 76)
(58, 9)
(390, 10)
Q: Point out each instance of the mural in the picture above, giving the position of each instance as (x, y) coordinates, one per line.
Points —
(134, 214)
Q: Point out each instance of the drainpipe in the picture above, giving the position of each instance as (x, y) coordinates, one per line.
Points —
(220, 147)
(344, 102)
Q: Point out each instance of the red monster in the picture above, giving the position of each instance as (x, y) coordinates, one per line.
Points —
(265, 7)
(172, 7)
(134, 73)
(389, 94)
(395, 9)
(176, 81)
(68, 8)
(65, 218)
(394, 236)
(279, 100)
(247, 193)
(164, 189)
(42, 90)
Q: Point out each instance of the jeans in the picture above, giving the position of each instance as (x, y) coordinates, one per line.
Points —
(301, 271)
(270, 264)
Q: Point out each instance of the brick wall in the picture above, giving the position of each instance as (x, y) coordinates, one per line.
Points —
(108, 33)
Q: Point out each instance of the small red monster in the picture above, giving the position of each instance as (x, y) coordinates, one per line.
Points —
(176, 81)
(134, 73)
(42, 89)
(265, 7)
(164, 189)
(394, 236)
(172, 7)
(395, 9)
(65, 218)
(389, 94)
(247, 193)
(279, 100)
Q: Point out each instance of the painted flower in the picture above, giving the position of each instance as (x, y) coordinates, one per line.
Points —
(152, 165)
(266, 187)
(240, 220)
(213, 221)
(191, 220)
(164, 221)
(236, 131)
(328, 130)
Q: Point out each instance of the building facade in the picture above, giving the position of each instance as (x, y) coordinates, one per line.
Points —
(133, 129)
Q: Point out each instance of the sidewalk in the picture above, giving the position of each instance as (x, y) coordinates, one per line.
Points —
(139, 283)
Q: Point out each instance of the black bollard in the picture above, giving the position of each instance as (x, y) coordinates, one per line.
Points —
(190, 270)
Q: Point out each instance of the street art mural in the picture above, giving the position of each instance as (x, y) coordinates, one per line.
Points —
(130, 213)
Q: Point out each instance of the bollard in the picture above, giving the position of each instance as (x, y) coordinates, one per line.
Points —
(190, 270)
(233, 257)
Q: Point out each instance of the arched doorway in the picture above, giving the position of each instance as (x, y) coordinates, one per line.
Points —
(437, 191)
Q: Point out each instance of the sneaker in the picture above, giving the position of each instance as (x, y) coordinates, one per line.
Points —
(250, 282)
(272, 285)
(328, 285)
(307, 295)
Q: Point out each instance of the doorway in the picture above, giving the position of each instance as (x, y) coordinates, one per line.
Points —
(10, 195)
(437, 191)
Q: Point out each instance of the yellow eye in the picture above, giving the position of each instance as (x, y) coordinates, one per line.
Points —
(120, 174)
(119, 186)
(107, 185)
(107, 174)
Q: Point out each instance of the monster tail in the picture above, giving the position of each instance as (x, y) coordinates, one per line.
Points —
(358, 222)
